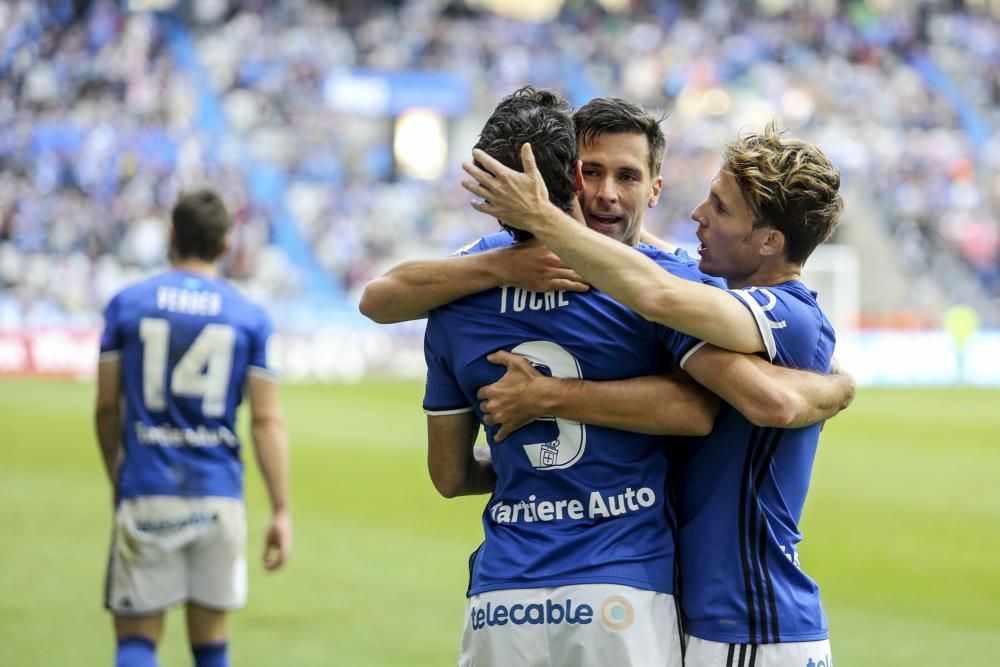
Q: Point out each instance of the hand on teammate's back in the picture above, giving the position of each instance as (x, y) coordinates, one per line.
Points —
(532, 266)
(509, 401)
(278, 541)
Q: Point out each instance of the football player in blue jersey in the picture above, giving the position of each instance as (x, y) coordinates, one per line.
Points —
(177, 353)
(745, 598)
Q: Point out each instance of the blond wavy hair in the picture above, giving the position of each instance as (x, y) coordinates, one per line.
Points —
(789, 185)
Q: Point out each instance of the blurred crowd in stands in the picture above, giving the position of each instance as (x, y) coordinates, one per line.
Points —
(106, 114)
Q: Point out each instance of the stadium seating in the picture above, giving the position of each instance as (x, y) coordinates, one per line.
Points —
(105, 115)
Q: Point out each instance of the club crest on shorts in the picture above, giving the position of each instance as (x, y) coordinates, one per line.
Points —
(616, 613)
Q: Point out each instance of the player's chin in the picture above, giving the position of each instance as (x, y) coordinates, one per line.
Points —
(705, 265)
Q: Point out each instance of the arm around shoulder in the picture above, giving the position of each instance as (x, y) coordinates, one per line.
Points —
(769, 395)
(655, 404)
(414, 288)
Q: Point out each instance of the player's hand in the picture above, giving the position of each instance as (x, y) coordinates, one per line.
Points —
(532, 266)
(849, 384)
(278, 541)
(510, 401)
(508, 195)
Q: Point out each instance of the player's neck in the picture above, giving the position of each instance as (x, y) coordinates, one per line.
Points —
(768, 274)
(201, 267)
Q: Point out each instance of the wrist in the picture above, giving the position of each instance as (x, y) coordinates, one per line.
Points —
(493, 265)
(550, 394)
(549, 217)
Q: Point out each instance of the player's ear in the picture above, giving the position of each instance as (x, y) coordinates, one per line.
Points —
(774, 243)
(654, 195)
(578, 172)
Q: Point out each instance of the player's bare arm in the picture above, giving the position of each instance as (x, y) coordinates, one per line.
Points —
(769, 395)
(270, 439)
(656, 404)
(454, 469)
(411, 289)
(108, 415)
(521, 200)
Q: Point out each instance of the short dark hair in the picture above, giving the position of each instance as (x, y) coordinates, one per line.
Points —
(540, 117)
(613, 115)
(788, 184)
(201, 224)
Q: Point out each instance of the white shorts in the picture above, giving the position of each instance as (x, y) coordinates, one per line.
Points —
(571, 626)
(167, 550)
(703, 653)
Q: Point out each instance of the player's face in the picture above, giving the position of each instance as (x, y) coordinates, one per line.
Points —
(730, 246)
(617, 185)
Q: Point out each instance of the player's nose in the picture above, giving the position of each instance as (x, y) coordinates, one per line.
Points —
(698, 214)
(607, 192)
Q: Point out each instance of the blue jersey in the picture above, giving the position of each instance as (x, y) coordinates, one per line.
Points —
(186, 343)
(742, 490)
(573, 503)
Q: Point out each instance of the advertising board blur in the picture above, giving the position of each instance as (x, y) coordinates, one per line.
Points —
(352, 353)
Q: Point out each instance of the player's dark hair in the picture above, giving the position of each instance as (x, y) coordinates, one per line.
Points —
(613, 115)
(201, 224)
(540, 117)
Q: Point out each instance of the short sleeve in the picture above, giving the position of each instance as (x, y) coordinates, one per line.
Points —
(442, 394)
(773, 309)
(111, 337)
(680, 345)
(491, 242)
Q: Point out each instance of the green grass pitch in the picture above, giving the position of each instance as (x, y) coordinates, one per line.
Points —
(902, 532)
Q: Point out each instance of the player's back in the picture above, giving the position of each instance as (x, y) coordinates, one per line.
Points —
(186, 343)
(573, 503)
(742, 491)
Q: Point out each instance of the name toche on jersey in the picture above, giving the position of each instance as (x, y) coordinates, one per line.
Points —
(573, 503)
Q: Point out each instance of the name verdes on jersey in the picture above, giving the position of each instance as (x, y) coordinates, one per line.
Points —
(596, 506)
(517, 300)
(171, 436)
(189, 302)
(538, 613)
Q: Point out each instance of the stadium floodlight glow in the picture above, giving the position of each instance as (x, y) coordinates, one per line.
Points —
(689, 101)
(716, 102)
(774, 6)
(151, 5)
(420, 144)
(535, 11)
(614, 5)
